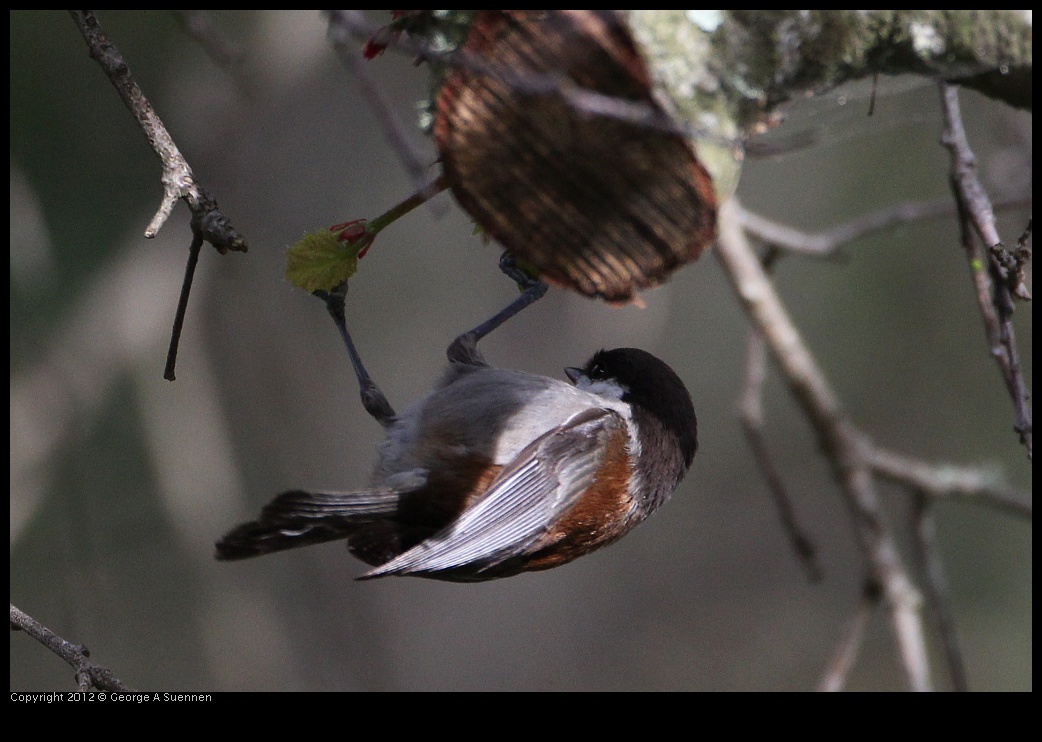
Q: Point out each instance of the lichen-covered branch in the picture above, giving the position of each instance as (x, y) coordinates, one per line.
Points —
(749, 61)
(726, 71)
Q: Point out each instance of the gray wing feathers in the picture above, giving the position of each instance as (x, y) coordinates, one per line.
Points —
(543, 481)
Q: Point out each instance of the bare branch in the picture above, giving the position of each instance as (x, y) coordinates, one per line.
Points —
(977, 485)
(828, 242)
(839, 667)
(856, 461)
(936, 589)
(843, 444)
(751, 413)
(222, 52)
(88, 675)
(178, 181)
(990, 277)
(341, 23)
(209, 223)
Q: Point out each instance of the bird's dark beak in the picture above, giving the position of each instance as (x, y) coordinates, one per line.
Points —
(574, 374)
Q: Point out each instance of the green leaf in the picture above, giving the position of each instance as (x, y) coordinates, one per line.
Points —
(319, 260)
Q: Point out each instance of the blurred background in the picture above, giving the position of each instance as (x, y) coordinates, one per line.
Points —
(121, 481)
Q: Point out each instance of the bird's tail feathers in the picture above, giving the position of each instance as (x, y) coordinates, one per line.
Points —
(297, 518)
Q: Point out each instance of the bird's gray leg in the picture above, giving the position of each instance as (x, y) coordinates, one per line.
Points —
(373, 399)
(464, 349)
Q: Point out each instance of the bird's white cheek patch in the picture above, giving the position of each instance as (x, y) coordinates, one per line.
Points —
(602, 388)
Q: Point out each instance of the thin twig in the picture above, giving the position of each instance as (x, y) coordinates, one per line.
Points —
(339, 33)
(849, 646)
(936, 588)
(993, 296)
(751, 414)
(178, 180)
(222, 52)
(828, 242)
(88, 675)
(979, 485)
(182, 308)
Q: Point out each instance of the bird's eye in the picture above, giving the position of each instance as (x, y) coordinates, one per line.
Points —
(597, 371)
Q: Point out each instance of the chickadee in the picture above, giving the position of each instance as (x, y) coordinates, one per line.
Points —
(498, 472)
